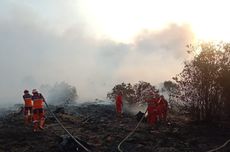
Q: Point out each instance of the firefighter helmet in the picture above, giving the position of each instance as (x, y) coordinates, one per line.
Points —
(26, 91)
(34, 91)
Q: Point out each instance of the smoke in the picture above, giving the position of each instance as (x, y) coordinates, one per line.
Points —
(156, 56)
(60, 93)
(133, 108)
(38, 48)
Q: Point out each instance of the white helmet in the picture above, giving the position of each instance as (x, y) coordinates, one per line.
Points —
(34, 91)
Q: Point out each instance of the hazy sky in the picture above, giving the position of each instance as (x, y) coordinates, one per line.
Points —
(95, 44)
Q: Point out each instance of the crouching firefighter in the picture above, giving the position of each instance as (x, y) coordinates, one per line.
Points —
(38, 110)
(28, 107)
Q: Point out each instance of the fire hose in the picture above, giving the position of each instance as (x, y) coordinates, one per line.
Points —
(119, 146)
(74, 138)
(220, 147)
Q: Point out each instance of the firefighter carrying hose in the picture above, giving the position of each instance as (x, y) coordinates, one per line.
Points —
(28, 107)
(38, 110)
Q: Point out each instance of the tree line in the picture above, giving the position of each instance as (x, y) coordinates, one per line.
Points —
(204, 82)
(202, 87)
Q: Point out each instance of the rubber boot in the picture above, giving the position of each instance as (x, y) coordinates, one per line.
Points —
(26, 118)
(35, 129)
(42, 124)
(30, 118)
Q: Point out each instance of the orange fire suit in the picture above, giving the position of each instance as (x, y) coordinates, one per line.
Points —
(38, 111)
(164, 109)
(152, 111)
(160, 107)
(119, 104)
(28, 108)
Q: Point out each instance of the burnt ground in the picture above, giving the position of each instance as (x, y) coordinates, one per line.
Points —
(100, 130)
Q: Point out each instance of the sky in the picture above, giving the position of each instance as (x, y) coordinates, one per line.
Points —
(96, 44)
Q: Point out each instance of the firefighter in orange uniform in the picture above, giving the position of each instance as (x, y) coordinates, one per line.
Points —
(38, 110)
(152, 111)
(164, 108)
(28, 107)
(160, 107)
(119, 104)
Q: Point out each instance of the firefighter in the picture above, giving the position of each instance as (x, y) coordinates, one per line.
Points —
(164, 108)
(38, 110)
(160, 107)
(28, 107)
(152, 110)
(119, 104)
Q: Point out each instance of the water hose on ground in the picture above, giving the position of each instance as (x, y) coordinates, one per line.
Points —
(119, 146)
(220, 147)
(74, 138)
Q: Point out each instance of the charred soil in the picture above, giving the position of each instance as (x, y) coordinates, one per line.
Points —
(100, 131)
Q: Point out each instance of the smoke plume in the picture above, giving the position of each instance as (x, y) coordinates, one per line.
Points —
(38, 49)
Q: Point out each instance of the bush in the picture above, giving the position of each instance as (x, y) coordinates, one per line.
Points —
(133, 94)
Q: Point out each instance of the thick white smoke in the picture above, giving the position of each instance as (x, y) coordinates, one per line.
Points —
(36, 49)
